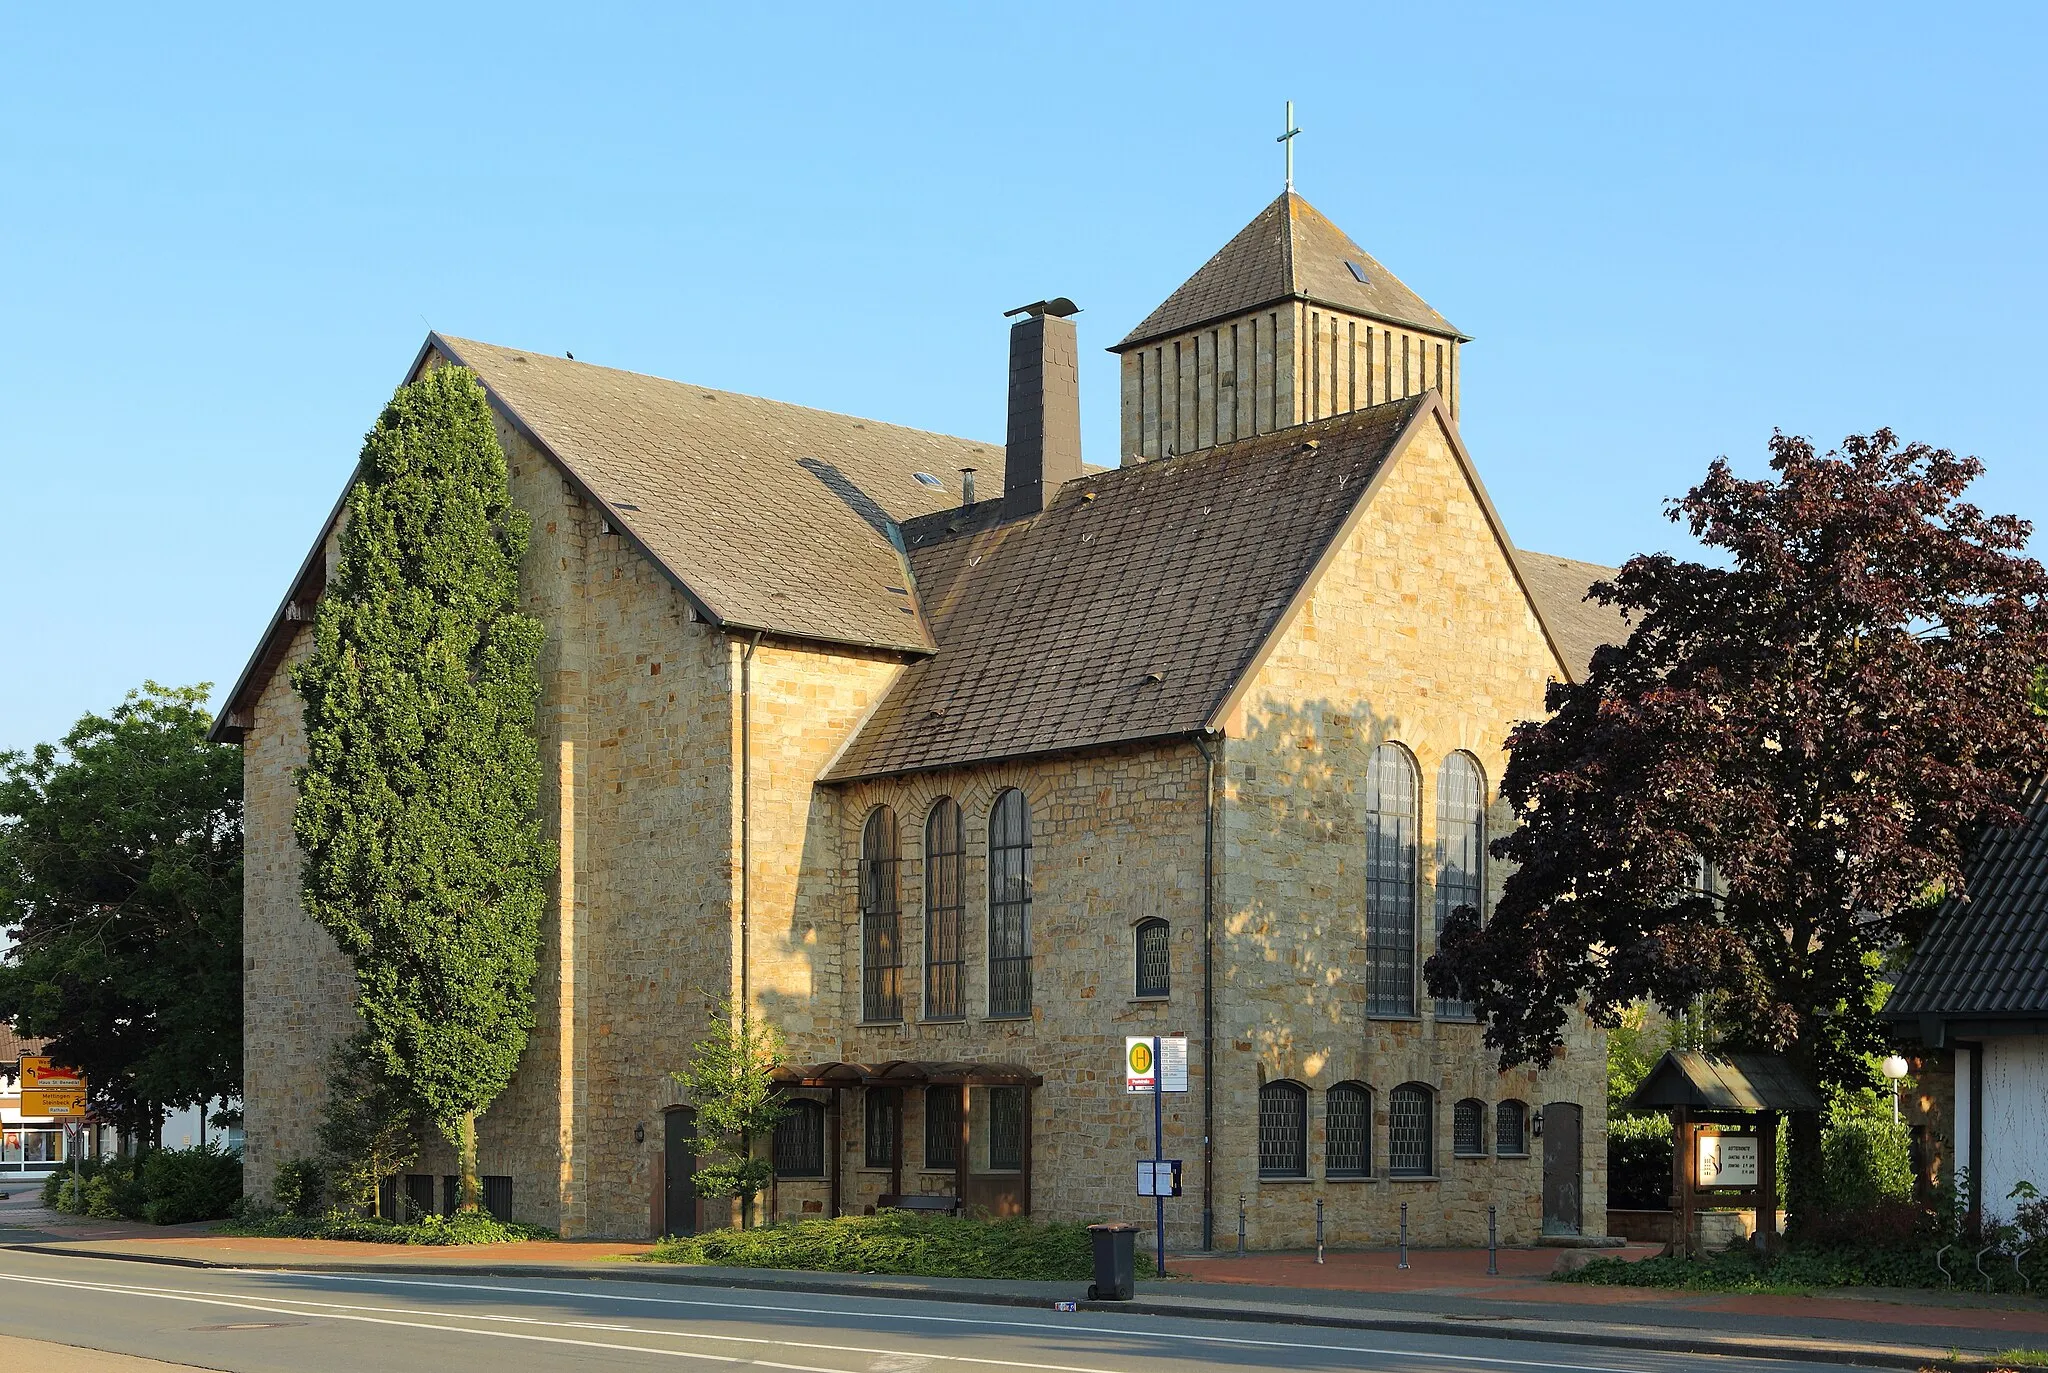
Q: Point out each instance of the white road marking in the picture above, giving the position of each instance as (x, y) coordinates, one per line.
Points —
(340, 1311)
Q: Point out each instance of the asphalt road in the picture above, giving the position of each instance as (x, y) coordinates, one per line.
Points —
(254, 1322)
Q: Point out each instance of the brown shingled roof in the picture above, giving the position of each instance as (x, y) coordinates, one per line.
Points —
(772, 516)
(1129, 608)
(1558, 586)
(13, 1046)
(1290, 251)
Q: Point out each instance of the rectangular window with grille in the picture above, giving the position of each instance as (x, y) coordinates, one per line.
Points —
(1009, 906)
(1468, 1129)
(1283, 1130)
(799, 1149)
(1410, 1146)
(1154, 952)
(942, 1127)
(882, 1114)
(1005, 1128)
(1509, 1129)
(1347, 1130)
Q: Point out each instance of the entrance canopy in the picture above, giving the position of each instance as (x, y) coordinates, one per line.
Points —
(903, 1072)
(1723, 1082)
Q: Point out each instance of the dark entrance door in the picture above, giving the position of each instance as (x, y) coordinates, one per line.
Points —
(679, 1195)
(1562, 1168)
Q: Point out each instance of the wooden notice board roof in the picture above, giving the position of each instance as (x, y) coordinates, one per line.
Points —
(1723, 1082)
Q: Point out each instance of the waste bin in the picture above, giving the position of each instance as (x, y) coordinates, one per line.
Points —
(1115, 1247)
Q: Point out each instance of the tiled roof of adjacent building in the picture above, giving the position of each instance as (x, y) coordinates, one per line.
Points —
(1558, 586)
(1985, 956)
(1128, 609)
(1289, 252)
(13, 1046)
(772, 516)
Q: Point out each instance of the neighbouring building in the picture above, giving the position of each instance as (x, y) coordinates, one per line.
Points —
(1975, 996)
(962, 761)
(30, 1146)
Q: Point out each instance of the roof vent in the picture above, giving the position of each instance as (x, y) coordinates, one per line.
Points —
(1359, 272)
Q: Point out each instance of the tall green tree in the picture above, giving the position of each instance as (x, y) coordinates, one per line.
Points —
(418, 806)
(730, 1080)
(1827, 713)
(121, 889)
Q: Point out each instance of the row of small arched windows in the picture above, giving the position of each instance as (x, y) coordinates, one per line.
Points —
(1348, 1130)
(945, 911)
(1392, 784)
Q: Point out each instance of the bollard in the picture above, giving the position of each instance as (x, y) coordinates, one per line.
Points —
(1240, 1225)
(1492, 1246)
(1404, 1236)
(1319, 1229)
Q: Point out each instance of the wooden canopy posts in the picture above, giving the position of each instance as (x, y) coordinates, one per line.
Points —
(1724, 1133)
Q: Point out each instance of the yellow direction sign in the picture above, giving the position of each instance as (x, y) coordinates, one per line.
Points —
(50, 1092)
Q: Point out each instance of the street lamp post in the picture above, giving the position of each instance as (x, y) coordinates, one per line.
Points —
(1894, 1068)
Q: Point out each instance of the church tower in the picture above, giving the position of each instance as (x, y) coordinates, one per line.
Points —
(1290, 322)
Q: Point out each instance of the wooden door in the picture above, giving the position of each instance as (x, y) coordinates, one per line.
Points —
(679, 1190)
(1562, 1168)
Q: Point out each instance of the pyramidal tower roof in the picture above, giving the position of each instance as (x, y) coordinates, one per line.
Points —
(1291, 251)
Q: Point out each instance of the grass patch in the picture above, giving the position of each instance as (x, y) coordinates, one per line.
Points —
(905, 1243)
(2021, 1358)
(475, 1227)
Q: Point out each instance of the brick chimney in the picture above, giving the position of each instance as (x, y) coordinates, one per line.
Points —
(1043, 447)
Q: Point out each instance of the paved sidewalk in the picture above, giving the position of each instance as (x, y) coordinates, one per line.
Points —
(1441, 1292)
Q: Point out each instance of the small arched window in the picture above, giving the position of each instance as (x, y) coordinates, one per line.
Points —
(1283, 1130)
(945, 912)
(1390, 881)
(1153, 949)
(881, 920)
(1468, 1128)
(1411, 1131)
(1511, 1129)
(1347, 1131)
(800, 1140)
(1460, 852)
(1009, 905)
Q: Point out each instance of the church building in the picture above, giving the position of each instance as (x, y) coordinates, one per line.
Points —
(963, 762)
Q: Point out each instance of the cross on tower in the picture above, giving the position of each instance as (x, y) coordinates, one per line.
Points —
(1286, 140)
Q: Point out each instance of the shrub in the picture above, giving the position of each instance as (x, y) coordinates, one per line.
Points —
(901, 1242)
(201, 1183)
(464, 1227)
(1865, 1161)
(1639, 1162)
(299, 1188)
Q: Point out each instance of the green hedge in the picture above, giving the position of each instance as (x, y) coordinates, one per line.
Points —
(464, 1227)
(902, 1242)
(1639, 1162)
(163, 1186)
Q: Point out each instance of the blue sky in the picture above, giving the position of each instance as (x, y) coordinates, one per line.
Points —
(224, 236)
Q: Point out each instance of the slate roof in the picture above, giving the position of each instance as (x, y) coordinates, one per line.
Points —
(1985, 956)
(1051, 629)
(1723, 1082)
(1558, 586)
(772, 516)
(1290, 251)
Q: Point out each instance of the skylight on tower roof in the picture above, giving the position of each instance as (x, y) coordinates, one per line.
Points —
(927, 479)
(1358, 272)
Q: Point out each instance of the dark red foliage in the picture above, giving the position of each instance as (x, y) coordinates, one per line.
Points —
(1886, 1225)
(1828, 716)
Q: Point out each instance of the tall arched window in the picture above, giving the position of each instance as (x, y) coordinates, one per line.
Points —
(1347, 1131)
(1390, 880)
(1283, 1130)
(945, 911)
(1411, 1131)
(1153, 949)
(1468, 1128)
(1009, 905)
(881, 920)
(1460, 852)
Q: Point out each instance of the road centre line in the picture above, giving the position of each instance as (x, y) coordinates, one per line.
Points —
(1039, 1327)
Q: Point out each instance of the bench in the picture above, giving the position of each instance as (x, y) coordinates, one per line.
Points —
(916, 1202)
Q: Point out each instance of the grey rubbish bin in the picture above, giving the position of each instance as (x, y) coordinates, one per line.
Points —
(1115, 1247)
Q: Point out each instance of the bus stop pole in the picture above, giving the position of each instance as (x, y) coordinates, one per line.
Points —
(1158, 1150)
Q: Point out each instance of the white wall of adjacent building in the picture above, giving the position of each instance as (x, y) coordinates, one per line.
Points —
(2015, 1118)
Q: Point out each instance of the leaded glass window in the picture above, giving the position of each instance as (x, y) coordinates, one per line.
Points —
(1468, 1128)
(945, 910)
(1510, 1128)
(1347, 1131)
(883, 1114)
(1460, 852)
(1006, 1127)
(1009, 905)
(800, 1141)
(1154, 948)
(1283, 1130)
(881, 920)
(1411, 1150)
(1390, 881)
(942, 1127)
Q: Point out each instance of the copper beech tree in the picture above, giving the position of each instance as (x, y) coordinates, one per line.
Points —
(1826, 715)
